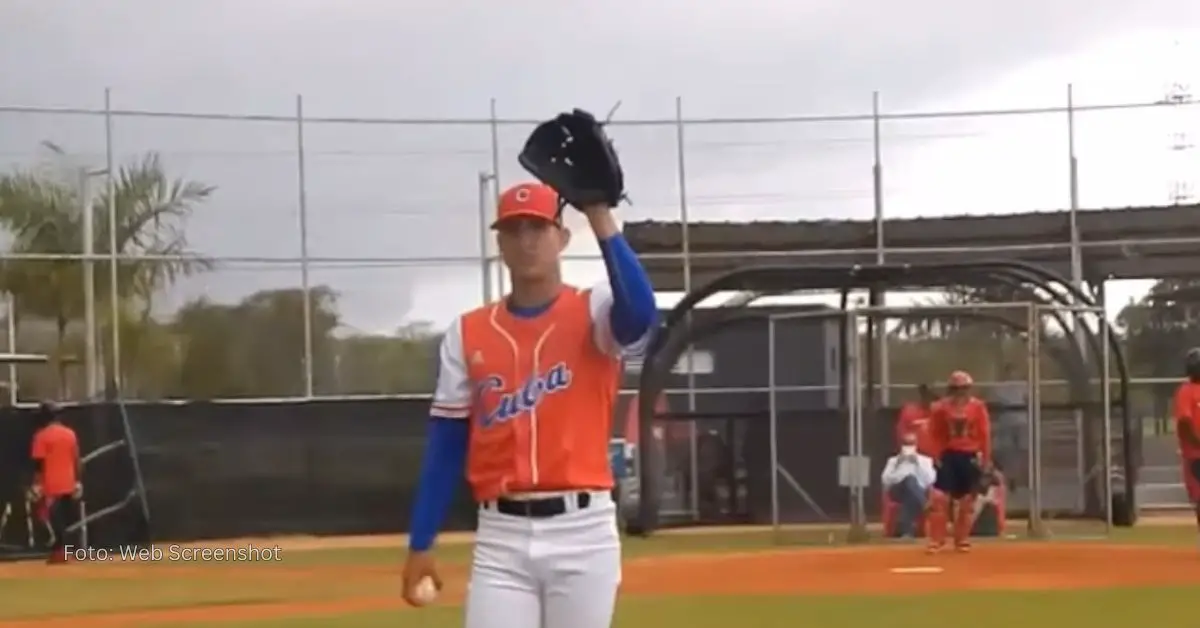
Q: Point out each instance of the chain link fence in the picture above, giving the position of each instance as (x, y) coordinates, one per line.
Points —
(302, 255)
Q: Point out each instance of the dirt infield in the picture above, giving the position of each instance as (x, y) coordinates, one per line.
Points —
(827, 571)
(302, 543)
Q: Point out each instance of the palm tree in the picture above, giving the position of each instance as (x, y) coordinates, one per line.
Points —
(255, 348)
(41, 212)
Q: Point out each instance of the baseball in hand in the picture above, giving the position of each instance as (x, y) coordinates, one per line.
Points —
(425, 592)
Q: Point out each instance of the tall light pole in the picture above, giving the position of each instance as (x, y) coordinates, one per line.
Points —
(485, 265)
(881, 337)
(110, 170)
(306, 305)
(1181, 145)
(88, 211)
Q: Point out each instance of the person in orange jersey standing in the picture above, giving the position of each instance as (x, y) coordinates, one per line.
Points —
(1187, 427)
(961, 430)
(524, 403)
(55, 451)
(914, 421)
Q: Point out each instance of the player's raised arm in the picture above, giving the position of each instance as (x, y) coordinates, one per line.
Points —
(445, 459)
(624, 311)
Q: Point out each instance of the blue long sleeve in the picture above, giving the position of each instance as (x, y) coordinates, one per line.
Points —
(634, 309)
(441, 472)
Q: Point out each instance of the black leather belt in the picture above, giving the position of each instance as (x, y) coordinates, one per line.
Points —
(539, 508)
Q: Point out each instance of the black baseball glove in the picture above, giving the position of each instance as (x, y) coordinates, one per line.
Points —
(573, 155)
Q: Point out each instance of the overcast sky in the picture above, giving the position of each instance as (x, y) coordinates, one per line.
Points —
(390, 192)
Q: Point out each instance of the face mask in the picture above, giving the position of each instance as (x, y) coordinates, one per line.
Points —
(908, 450)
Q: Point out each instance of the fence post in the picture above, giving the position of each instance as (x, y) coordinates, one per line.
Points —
(685, 243)
(880, 326)
(485, 265)
(10, 311)
(1082, 428)
(495, 128)
(1034, 523)
(113, 289)
(88, 210)
(302, 200)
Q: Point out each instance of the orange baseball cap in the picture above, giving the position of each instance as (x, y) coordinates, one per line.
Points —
(528, 200)
(960, 379)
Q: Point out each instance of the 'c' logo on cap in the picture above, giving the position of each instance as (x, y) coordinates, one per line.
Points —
(522, 194)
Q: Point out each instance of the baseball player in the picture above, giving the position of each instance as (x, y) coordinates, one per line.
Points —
(914, 420)
(56, 452)
(1187, 423)
(524, 402)
(961, 430)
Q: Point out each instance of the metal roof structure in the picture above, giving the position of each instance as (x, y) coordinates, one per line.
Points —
(1126, 243)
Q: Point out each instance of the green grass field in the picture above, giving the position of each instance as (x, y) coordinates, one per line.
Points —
(357, 588)
(1095, 609)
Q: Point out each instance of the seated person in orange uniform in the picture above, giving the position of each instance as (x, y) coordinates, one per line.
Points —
(914, 419)
(961, 432)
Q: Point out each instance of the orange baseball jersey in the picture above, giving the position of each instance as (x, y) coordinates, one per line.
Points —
(1187, 407)
(58, 448)
(963, 426)
(914, 419)
(539, 392)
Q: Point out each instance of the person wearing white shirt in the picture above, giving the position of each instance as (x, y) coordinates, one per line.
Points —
(908, 477)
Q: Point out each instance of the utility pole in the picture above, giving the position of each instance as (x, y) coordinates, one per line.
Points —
(1183, 154)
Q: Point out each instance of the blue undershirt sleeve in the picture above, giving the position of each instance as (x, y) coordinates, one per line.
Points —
(634, 309)
(441, 472)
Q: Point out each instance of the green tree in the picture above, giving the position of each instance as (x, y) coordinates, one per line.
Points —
(207, 334)
(1158, 330)
(928, 347)
(1160, 327)
(41, 210)
(254, 348)
(403, 362)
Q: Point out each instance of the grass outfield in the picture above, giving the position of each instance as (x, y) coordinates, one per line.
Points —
(1099, 608)
(697, 580)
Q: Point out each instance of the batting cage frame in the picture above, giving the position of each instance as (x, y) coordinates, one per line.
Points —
(137, 529)
(856, 468)
(1048, 295)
